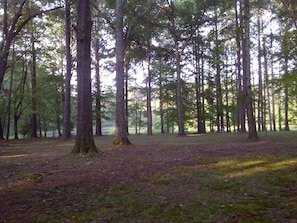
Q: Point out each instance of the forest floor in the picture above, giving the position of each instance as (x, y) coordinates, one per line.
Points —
(161, 178)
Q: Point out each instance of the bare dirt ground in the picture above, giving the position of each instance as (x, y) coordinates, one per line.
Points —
(35, 175)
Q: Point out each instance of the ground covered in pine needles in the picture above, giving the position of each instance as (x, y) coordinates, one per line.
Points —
(160, 178)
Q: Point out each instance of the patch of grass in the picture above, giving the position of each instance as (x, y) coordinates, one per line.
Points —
(236, 188)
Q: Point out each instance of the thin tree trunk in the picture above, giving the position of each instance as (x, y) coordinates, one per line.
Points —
(267, 88)
(240, 100)
(272, 85)
(161, 104)
(286, 91)
(180, 118)
(219, 102)
(126, 95)
(67, 96)
(98, 83)
(10, 94)
(18, 107)
(149, 95)
(260, 90)
(33, 86)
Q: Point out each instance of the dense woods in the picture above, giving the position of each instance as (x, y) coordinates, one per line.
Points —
(156, 66)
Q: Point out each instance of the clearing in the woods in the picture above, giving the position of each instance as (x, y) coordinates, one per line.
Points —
(160, 178)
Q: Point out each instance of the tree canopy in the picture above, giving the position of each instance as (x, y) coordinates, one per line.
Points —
(175, 66)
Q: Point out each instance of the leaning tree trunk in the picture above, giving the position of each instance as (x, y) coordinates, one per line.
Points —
(121, 137)
(84, 139)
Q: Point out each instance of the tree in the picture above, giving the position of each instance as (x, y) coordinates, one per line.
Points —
(240, 97)
(252, 132)
(84, 139)
(11, 28)
(121, 137)
(33, 84)
(67, 93)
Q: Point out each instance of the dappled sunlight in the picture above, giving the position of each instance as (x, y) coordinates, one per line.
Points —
(195, 135)
(14, 156)
(248, 168)
(239, 164)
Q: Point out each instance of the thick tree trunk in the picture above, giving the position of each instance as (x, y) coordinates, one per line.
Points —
(67, 93)
(252, 132)
(84, 139)
(121, 137)
(241, 96)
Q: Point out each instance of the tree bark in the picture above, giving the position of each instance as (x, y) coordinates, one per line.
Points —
(286, 91)
(67, 93)
(33, 86)
(241, 97)
(121, 137)
(149, 93)
(10, 94)
(84, 139)
(260, 90)
(98, 82)
(219, 98)
(252, 132)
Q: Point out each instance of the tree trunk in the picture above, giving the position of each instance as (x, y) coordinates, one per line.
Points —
(161, 103)
(1, 130)
(126, 95)
(149, 94)
(267, 88)
(219, 100)
(33, 87)
(121, 137)
(67, 93)
(286, 91)
(18, 106)
(252, 132)
(260, 90)
(241, 96)
(10, 94)
(98, 82)
(84, 139)
(272, 86)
